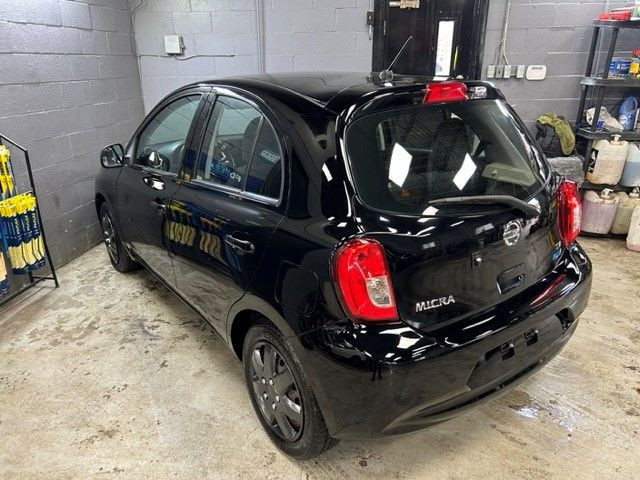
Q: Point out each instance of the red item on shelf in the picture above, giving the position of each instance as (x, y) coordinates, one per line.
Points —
(624, 15)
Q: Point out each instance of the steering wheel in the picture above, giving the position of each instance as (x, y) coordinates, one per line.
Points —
(226, 153)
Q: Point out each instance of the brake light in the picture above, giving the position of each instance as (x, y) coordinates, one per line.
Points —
(445, 92)
(364, 284)
(569, 211)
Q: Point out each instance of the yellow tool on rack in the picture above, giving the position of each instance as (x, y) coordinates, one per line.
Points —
(7, 187)
(4, 281)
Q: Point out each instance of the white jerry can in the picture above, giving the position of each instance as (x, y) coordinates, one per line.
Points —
(598, 211)
(631, 172)
(626, 204)
(633, 239)
(607, 161)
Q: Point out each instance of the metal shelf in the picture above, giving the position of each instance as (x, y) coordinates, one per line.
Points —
(597, 186)
(604, 235)
(610, 82)
(591, 80)
(584, 132)
(617, 23)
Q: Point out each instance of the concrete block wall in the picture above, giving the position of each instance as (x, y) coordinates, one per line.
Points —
(556, 33)
(69, 85)
(220, 39)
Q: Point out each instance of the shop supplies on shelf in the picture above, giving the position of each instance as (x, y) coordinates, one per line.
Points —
(633, 238)
(607, 161)
(598, 211)
(631, 171)
(21, 229)
(7, 187)
(626, 205)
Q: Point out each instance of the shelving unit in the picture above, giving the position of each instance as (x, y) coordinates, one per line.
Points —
(598, 85)
(31, 278)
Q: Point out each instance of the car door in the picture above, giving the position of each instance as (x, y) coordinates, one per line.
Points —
(150, 177)
(222, 219)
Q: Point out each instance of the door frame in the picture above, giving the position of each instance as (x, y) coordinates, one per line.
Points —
(381, 10)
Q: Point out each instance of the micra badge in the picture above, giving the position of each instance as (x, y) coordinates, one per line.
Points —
(434, 303)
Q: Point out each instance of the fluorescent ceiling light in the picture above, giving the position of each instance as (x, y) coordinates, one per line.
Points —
(399, 166)
(466, 171)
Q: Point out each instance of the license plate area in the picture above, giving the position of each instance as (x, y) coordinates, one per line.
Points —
(521, 351)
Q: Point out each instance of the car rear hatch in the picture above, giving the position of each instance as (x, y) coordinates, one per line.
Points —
(461, 200)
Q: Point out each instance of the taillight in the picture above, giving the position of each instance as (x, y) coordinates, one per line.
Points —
(362, 277)
(569, 211)
(445, 92)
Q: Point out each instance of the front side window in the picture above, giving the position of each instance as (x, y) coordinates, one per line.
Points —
(406, 157)
(162, 142)
(241, 149)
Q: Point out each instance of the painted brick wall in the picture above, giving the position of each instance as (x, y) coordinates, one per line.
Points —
(69, 85)
(558, 35)
(299, 35)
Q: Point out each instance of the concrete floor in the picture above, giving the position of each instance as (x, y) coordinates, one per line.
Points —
(112, 377)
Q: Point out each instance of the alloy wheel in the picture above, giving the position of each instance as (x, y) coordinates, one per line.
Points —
(276, 392)
(109, 234)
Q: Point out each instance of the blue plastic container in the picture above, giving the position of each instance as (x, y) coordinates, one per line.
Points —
(627, 115)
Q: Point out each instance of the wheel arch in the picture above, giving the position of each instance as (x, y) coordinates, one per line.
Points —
(251, 310)
(248, 311)
(99, 201)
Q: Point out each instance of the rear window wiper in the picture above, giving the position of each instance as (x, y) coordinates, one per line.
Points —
(513, 202)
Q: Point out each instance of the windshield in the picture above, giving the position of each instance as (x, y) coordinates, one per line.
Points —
(404, 158)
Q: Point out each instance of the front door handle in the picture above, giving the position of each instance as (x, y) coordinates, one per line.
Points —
(159, 206)
(241, 246)
(153, 182)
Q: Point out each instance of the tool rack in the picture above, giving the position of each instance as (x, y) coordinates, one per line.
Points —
(33, 280)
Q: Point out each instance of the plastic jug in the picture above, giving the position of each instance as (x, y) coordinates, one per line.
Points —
(627, 115)
(598, 211)
(633, 239)
(607, 161)
(626, 204)
(631, 172)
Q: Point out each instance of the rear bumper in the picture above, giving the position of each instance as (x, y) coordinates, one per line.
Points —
(393, 379)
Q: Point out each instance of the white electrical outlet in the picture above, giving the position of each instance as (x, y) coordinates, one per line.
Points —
(173, 44)
(520, 71)
(507, 71)
(499, 71)
(491, 71)
(536, 72)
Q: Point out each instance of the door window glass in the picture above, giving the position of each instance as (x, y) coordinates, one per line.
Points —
(241, 149)
(162, 142)
(265, 173)
(228, 142)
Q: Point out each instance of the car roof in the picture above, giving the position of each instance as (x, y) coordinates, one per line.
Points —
(331, 90)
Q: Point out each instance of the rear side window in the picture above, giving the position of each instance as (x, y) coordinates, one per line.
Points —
(241, 149)
(403, 158)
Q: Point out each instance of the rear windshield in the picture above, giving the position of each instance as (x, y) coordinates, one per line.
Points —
(403, 158)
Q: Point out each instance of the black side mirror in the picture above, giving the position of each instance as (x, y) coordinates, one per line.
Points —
(112, 156)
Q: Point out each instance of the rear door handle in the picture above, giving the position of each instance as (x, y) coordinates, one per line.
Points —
(153, 182)
(159, 206)
(241, 246)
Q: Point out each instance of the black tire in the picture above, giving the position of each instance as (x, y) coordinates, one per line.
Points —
(118, 255)
(311, 436)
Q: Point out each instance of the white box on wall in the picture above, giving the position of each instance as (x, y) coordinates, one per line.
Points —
(173, 44)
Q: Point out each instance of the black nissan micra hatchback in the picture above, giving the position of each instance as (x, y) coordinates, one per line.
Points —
(380, 255)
